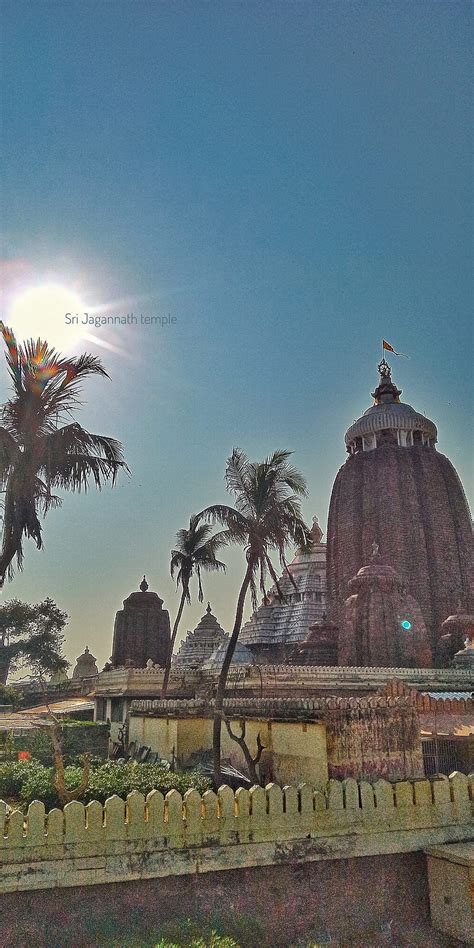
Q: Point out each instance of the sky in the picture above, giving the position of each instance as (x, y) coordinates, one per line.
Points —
(287, 183)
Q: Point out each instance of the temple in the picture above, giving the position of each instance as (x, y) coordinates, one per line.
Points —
(141, 631)
(287, 616)
(199, 645)
(398, 491)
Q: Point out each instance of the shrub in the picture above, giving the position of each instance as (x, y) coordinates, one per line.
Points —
(13, 776)
(123, 778)
(39, 785)
(77, 737)
(26, 781)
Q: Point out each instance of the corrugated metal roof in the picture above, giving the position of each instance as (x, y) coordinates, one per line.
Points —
(449, 695)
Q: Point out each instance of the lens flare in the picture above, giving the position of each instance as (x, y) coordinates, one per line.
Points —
(41, 311)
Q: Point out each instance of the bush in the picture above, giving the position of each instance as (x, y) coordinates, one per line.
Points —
(39, 785)
(77, 737)
(26, 781)
(14, 774)
(123, 778)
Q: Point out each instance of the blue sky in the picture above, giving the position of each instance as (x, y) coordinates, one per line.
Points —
(291, 181)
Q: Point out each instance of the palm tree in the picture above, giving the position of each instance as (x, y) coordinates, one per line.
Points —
(266, 518)
(38, 452)
(195, 552)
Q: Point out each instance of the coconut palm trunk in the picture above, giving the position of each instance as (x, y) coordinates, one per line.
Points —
(164, 687)
(195, 553)
(222, 681)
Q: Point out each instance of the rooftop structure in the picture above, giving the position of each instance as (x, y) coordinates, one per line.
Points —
(276, 626)
(242, 656)
(199, 645)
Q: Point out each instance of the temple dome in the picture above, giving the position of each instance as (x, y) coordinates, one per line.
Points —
(241, 656)
(389, 419)
(199, 645)
(141, 630)
(85, 666)
(394, 417)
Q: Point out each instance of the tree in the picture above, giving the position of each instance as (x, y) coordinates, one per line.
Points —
(32, 635)
(195, 552)
(38, 451)
(266, 518)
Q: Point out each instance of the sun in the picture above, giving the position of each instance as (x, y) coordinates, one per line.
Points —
(41, 311)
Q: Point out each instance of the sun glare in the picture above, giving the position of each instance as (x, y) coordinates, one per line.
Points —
(42, 312)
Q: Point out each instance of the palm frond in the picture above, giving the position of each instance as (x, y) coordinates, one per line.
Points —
(72, 456)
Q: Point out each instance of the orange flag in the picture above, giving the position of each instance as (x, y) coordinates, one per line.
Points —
(386, 345)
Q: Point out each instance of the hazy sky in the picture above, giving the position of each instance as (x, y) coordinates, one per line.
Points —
(290, 181)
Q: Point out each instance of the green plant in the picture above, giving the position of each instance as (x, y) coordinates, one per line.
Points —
(14, 774)
(77, 738)
(9, 695)
(123, 778)
(189, 933)
(26, 781)
(39, 785)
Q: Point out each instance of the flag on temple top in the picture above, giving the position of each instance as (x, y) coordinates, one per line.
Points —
(386, 345)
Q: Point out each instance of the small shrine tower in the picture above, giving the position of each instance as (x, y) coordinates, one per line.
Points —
(141, 631)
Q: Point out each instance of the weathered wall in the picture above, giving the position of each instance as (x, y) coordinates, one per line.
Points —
(361, 899)
(451, 888)
(158, 837)
(295, 751)
(161, 735)
(304, 738)
(365, 739)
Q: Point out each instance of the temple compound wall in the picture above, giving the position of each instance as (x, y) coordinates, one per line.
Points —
(161, 836)
(368, 901)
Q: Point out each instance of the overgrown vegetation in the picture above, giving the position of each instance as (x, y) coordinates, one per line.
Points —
(24, 781)
(77, 737)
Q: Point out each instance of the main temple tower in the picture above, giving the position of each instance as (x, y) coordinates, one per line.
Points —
(397, 491)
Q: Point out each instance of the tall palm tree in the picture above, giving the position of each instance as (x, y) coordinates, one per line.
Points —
(266, 518)
(195, 552)
(38, 452)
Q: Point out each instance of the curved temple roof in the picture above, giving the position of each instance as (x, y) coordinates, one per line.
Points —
(287, 622)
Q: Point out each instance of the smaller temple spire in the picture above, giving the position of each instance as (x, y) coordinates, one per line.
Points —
(209, 610)
(144, 585)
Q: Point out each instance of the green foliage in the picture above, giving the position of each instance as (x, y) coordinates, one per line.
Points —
(77, 738)
(9, 695)
(229, 931)
(7, 746)
(123, 778)
(31, 635)
(26, 781)
(13, 776)
(39, 785)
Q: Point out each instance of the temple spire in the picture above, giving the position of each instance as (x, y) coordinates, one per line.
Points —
(144, 585)
(386, 390)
